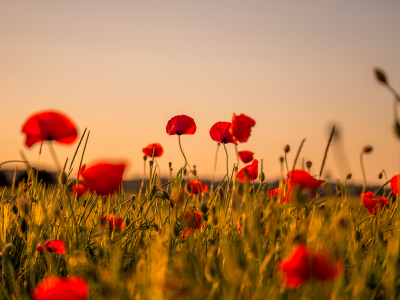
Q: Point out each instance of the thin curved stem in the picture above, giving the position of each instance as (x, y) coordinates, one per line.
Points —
(14, 161)
(180, 146)
(215, 167)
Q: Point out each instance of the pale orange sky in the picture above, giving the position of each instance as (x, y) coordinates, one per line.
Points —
(124, 68)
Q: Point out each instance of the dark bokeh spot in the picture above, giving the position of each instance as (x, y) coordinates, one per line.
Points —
(3, 179)
(43, 176)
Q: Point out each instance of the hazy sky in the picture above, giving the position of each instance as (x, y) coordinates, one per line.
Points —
(124, 68)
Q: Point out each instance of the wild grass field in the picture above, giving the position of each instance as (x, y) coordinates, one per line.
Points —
(87, 238)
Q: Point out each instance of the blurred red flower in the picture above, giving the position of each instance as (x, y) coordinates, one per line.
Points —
(102, 178)
(371, 204)
(219, 132)
(52, 246)
(158, 150)
(114, 222)
(197, 187)
(252, 171)
(181, 125)
(49, 126)
(78, 190)
(246, 156)
(71, 288)
(303, 180)
(394, 183)
(304, 264)
(275, 193)
(194, 223)
(241, 127)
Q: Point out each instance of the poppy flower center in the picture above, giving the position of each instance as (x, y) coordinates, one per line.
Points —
(49, 138)
(178, 133)
(224, 140)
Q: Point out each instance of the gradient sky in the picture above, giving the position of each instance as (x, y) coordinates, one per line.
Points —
(124, 68)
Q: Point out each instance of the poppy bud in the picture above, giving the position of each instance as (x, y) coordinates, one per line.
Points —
(348, 177)
(397, 128)
(380, 75)
(277, 233)
(144, 157)
(367, 149)
(358, 235)
(308, 164)
(170, 164)
(194, 172)
(184, 172)
(156, 227)
(322, 206)
(171, 203)
(153, 189)
(188, 188)
(286, 149)
(261, 177)
(133, 198)
(176, 230)
(281, 159)
(165, 195)
(15, 209)
(380, 175)
(23, 227)
(63, 178)
(215, 220)
(71, 183)
(204, 208)
(151, 163)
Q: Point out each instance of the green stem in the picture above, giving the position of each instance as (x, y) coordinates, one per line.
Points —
(180, 146)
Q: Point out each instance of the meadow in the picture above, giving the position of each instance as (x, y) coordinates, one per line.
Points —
(239, 238)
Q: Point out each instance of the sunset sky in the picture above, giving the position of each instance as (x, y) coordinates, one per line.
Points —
(124, 68)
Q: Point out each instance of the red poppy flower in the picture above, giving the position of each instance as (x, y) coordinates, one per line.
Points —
(181, 125)
(71, 288)
(78, 190)
(394, 183)
(197, 187)
(194, 223)
(371, 204)
(102, 178)
(49, 126)
(246, 156)
(52, 246)
(241, 127)
(219, 132)
(252, 172)
(304, 264)
(158, 150)
(114, 222)
(303, 180)
(275, 193)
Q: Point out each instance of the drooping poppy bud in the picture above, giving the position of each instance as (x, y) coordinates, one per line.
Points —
(380, 75)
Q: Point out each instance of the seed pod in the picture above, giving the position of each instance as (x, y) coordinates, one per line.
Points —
(322, 206)
(367, 149)
(261, 177)
(380, 175)
(204, 208)
(380, 75)
(348, 177)
(286, 149)
(133, 198)
(63, 178)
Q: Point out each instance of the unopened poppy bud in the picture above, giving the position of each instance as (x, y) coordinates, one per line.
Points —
(144, 157)
(286, 149)
(153, 189)
(261, 177)
(188, 188)
(63, 178)
(14, 209)
(281, 159)
(171, 203)
(358, 235)
(156, 227)
(170, 164)
(380, 75)
(133, 198)
(380, 175)
(165, 195)
(184, 172)
(322, 206)
(23, 227)
(204, 208)
(308, 164)
(367, 149)
(176, 230)
(215, 220)
(348, 177)
(205, 218)
(151, 163)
